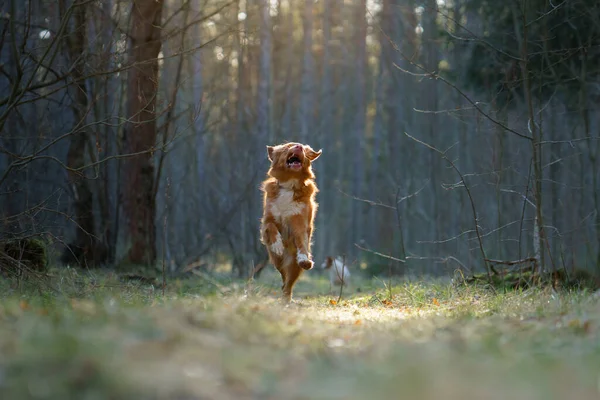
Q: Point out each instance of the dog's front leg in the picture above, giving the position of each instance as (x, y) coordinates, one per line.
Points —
(271, 237)
(300, 235)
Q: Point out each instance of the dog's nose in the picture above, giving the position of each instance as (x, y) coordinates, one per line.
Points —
(297, 147)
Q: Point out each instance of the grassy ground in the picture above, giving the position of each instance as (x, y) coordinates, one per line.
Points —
(92, 336)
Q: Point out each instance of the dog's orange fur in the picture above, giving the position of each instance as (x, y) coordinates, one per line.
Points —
(289, 210)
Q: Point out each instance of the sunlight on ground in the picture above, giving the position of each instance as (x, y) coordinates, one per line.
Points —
(236, 340)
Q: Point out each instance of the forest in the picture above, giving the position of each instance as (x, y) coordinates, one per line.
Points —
(130, 135)
(460, 144)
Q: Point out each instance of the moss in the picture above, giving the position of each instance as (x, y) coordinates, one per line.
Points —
(30, 252)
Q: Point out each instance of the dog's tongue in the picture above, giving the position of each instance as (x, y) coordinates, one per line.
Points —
(296, 164)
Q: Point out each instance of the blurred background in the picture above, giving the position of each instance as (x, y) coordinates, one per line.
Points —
(134, 132)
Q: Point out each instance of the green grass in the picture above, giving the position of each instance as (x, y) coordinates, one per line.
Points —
(92, 336)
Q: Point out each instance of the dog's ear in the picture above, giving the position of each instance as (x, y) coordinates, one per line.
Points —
(270, 150)
(311, 154)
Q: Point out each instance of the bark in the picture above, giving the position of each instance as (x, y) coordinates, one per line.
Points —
(109, 183)
(263, 135)
(375, 218)
(400, 21)
(239, 97)
(9, 184)
(555, 177)
(593, 152)
(539, 235)
(86, 249)
(431, 60)
(359, 121)
(286, 123)
(264, 76)
(306, 101)
(141, 134)
(198, 94)
(243, 83)
(325, 246)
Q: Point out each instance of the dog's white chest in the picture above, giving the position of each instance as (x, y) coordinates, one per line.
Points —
(284, 205)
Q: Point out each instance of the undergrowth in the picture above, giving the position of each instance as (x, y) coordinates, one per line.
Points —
(92, 335)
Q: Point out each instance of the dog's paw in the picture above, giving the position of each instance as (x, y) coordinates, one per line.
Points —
(277, 247)
(304, 261)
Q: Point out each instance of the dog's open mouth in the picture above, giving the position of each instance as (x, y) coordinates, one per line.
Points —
(294, 162)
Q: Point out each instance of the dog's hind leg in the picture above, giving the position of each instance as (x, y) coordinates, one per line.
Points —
(293, 273)
(283, 273)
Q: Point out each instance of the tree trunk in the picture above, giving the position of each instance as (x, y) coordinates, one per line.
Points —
(85, 250)
(199, 123)
(536, 150)
(325, 230)
(107, 186)
(287, 118)
(306, 101)
(264, 77)
(359, 122)
(377, 218)
(141, 134)
(431, 60)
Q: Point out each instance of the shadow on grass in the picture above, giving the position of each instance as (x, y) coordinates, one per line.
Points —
(95, 336)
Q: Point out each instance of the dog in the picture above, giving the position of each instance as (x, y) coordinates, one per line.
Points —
(289, 210)
(339, 274)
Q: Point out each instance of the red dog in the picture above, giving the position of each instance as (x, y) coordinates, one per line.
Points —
(289, 209)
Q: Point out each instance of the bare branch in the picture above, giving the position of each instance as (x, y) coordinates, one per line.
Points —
(379, 254)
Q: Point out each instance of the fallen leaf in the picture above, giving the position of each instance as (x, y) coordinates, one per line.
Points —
(435, 301)
(579, 326)
(24, 305)
(574, 323)
(387, 302)
(332, 302)
(357, 322)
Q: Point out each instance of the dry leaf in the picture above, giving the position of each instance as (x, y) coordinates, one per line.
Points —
(582, 327)
(357, 322)
(587, 326)
(386, 302)
(24, 305)
(332, 302)
(574, 323)
(436, 301)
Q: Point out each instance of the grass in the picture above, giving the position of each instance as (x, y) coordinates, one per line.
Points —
(92, 336)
